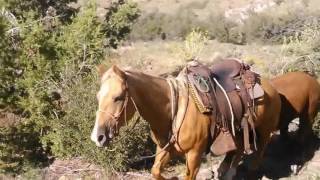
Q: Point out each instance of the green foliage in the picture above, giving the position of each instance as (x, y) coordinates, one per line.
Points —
(40, 7)
(268, 26)
(220, 28)
(8, 89)
(305, 49)
(20, 148)
(47, 73)
(304, 42)
(119, 20)
(193, 45)
(282, 20)
(165, 26)
(70, 135)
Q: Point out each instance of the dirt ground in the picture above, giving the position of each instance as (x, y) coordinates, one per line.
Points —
(284, 159)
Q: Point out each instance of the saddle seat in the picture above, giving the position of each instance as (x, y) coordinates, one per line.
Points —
(228, 71)
(225, 71)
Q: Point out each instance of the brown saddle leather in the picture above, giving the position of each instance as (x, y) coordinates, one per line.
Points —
(225, 71)
(237, 80)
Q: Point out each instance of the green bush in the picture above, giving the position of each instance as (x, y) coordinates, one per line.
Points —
(304, 49)
(282, 20)
(40, 8)
(49, 77)
(119, 20)
(70, 135)
(20, 149)
(221, 28)
(269, 26)
(8, 58)
(193, 45)
(156, 25)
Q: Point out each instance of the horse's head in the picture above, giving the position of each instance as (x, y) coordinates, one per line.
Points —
(115, 106)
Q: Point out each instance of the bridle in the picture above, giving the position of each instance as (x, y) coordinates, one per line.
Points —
(115, 117)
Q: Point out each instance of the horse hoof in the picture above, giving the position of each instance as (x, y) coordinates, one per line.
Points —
(230, 174)
(295, 169)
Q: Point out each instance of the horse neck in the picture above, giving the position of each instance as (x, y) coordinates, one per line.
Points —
(152, 97)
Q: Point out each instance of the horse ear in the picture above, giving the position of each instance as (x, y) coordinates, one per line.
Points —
(101, 69)
(119, 72)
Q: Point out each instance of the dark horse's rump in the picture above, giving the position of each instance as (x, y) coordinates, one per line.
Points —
(300, 98)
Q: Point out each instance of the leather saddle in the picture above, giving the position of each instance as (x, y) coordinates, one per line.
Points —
(228, 70)
(237, 81)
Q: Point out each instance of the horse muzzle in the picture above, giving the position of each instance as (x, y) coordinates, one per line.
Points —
(101, 140)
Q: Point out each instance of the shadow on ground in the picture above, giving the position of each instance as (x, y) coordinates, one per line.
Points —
(283, 157)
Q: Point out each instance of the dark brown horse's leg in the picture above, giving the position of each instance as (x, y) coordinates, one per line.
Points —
(264, 139)
(225, 164)
(283, 126)
(160, 161)
(306, 121)
(193, 160)
(232, 169)
(304, 133)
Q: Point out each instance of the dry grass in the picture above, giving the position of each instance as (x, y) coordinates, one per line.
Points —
(159, 57)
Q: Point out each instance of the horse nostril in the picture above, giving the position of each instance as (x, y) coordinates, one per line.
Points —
(100, 138)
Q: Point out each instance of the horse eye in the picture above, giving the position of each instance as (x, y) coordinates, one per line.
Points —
(119, 98)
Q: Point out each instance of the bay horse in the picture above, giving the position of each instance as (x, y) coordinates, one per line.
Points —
(122, 93)
(300, 97)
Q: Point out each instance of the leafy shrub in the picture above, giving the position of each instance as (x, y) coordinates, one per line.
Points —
(193, 45)
(56, 85)
(221, 28)
(304, 49)
(20, 148)
(119, 19)
(8, 92)
(39, 8)
(282, 20)
(157, 25)
(70, 135)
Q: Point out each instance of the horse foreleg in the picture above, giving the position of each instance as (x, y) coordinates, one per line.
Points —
(193, 160)
(160, 161)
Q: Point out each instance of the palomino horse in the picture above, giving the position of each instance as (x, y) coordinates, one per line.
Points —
(300, 97)
(124, 92)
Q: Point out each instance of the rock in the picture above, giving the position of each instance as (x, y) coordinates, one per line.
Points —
(205, 174)
(63, 178)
